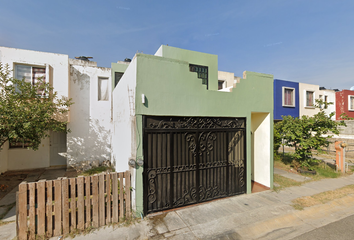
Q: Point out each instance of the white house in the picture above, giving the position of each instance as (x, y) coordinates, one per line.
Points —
(89, 117)
(308, 93)
(30, 65)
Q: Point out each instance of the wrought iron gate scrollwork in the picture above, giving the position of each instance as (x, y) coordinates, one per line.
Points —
(194, 123)
(192, 159)
(152, 190)
(188, 197)
(210, 193)
(205, 142)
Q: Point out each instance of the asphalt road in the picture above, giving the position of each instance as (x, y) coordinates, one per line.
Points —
(340, 230)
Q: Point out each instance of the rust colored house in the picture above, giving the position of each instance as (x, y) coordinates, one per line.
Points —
(344, 103)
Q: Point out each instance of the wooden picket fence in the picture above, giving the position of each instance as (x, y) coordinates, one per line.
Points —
(58, 207)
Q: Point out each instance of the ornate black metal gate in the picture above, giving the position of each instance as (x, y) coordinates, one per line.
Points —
(192, 159)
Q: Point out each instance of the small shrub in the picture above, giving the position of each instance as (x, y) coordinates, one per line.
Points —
(96, 170)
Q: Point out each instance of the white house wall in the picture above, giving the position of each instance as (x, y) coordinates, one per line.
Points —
(260, 123)
(20, 159)
(57, 73)
(228, 77)
(308, 111)
(58, 63)
(124, 127)
(90, 119)
(331, 98)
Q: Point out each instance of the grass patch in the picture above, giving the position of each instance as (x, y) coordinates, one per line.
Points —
(96, 170)
(286, 162)
(283, 182)
(321, 198)
(2, 223)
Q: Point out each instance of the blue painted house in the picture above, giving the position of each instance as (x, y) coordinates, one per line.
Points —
(286, 99)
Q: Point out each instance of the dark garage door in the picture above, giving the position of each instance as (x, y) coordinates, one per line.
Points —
(190, 160)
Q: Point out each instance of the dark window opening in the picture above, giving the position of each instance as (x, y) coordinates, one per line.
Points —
(221, 84)
(19, 143)
(202, 72)
(117, 77)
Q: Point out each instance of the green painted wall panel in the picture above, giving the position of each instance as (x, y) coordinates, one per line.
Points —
(197, 58)
(172, 90)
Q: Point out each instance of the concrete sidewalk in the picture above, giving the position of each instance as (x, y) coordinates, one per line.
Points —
(264, 215)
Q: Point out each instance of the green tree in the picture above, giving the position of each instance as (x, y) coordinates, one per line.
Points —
(29, 112)
(306, 134)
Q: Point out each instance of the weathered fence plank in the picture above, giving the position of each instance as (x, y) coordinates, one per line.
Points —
(115, 197)
(95, 201)
(101, 200)
(49, 205)
(121, 200)
(65, 204)
(73, 203)
(54, 208)
(127, 192)
(88, 201)
(108, 198)
(32, 210)
(41, 207)
(22, 205)
(59, 205)
(80, 203)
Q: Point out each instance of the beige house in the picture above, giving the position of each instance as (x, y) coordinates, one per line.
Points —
(308, 93)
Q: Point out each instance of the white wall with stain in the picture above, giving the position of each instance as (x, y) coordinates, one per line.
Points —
(331, 98)
(306, 110)
(90, 119)
(124, 127)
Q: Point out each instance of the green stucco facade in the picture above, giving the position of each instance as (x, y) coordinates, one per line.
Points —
(170, 89)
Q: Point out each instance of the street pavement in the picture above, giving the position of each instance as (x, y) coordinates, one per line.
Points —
(263, 215)
(342, 229)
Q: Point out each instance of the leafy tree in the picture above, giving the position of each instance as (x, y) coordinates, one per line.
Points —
(307, 133)
(28, 112)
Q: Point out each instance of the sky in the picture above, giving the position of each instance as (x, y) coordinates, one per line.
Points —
(309, 41)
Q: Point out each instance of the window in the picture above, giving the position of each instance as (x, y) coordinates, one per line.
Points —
(351, 103)
(326, 102)
(30, 74)
(221, 84)
(18, 143)
(117, 77)
(103, 89)
(202, 72)
(310, 99)
(288, 97)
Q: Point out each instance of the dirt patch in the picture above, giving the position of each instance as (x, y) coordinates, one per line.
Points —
(283, 182)
(157, 219)
(10, 181)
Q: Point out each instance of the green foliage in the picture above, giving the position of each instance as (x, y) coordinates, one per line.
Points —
(345, 116)
(326, 172)
(96, 170)
(277, 138)
(29, 111)
(308, 133)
